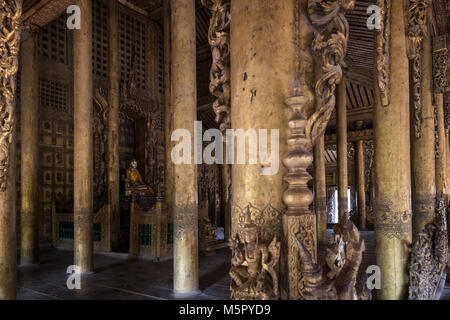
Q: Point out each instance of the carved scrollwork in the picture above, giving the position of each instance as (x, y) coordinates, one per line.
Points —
(383, 52)
(417, 31)
(10, 13)
(429, 257)
(440, 64)
(100, 141)
(254, 270)
(338, 279)
(219, 40)
(331, 44)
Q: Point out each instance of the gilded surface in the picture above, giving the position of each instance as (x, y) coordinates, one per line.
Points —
(10, 12)
(429, 257)
(254, 270)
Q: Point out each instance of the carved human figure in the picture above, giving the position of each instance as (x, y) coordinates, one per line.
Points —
(134, 182)
(254, 267)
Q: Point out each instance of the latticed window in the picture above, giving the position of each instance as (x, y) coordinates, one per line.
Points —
(132, 36)
(100, 38)
(97, 232)
(145, 234)
(53, 94)
(66, 230)
(52, 40)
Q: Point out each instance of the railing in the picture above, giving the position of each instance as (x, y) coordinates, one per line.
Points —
(63, 229)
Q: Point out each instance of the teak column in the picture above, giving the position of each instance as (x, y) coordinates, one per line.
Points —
(392, 169)
(83, 141)
(361, 183)
(184, 97)
(320, 190)
(423, 163)
(10, 39)
(113, 123)
(341, 119)
(259, 28)
(29, 181)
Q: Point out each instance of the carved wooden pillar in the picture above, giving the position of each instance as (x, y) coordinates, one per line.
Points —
(113, 123)
(83, 141)
(392, 154)
(361, 183)
(184, 97)
(258, 29)
(341, 118)
(29, 182)
(440, 82)
(320, 190)
(219, 40)
(11, 12)
(423, 138)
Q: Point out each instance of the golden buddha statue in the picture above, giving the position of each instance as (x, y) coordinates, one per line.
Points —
(134, 182)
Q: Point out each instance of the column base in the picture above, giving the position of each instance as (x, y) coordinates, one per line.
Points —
(187, 295)
(26, 265)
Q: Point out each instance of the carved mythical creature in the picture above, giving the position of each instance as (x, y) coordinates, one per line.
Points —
(254, 267)
(10, 13)
(338, 279)
(134, 183)
(219, 40)
(429, 257)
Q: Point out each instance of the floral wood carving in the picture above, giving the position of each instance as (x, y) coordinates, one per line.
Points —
(10, 13)
(338, 279)
(219, 40)
(331, 44)
(417, 31)
(383, 52)
(440, 64)
(254, 270)
(429, 257)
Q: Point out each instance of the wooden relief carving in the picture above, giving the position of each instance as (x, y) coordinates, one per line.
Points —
(219, 40)
(429, 257)
(10, 13)
(440, 64)
(338, 278)
(383, 41)
(331, 44)
(417, 31)
(254, 270)
(100, 142)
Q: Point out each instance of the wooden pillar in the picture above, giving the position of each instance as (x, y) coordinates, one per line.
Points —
(168, 111)
(341, 118)
(423, 163)
(184, 97)
(392, 164)
(361, 184)
(83, 141)
(320, 190)
(11, 13)
(29, 181)
(113, 122)
(440, 82)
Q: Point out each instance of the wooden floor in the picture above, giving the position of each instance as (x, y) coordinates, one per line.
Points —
(119, 278)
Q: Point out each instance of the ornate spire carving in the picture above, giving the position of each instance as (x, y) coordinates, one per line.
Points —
(330, 43)
(10, 13)
(219, 40)
(383, 41)
(417, 31)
